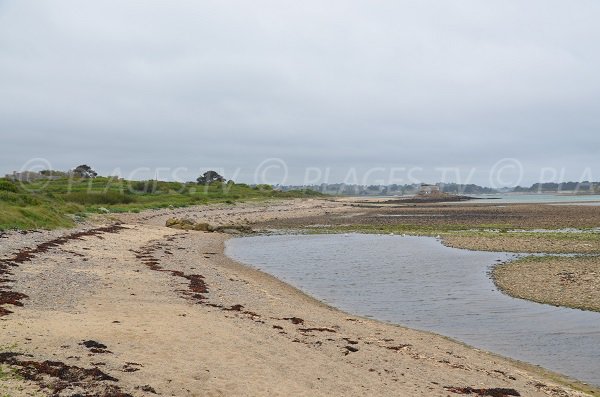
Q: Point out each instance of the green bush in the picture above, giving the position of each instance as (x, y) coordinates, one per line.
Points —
(8, 197)
(99, 198)
(20, 200)
(8, 186)
(152, 186)
(143, 186)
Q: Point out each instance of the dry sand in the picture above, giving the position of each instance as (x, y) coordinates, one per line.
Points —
(165, 312)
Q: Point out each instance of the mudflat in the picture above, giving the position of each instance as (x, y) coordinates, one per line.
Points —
(456, 216)
(132, 308)
(560, 281)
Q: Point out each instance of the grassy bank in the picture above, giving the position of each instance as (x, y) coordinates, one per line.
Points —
(50, 204)
(467, 237)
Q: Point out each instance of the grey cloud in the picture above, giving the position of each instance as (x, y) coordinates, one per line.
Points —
(324, 84)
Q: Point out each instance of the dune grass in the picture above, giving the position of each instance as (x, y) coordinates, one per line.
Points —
(48, 204)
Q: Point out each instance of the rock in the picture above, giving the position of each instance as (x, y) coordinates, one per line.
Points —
(233, 229)
(189, 224)
(202, 227)
(183, 224)
(187, 221)
(171, 221)
(230, 231)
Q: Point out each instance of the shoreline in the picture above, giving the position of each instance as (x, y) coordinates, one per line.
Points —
(536, 368)
(253, 334)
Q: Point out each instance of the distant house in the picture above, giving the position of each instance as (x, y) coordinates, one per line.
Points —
(426, 189)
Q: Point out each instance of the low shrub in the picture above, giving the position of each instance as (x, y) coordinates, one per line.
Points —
(91, 198)
(152, 186)
(8, 186)
(18, 199)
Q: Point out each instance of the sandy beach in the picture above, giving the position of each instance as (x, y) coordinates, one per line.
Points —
(129, 307)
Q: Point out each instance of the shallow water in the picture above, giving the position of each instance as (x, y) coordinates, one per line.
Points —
(539, 198)
(419, 283)
(519, 198)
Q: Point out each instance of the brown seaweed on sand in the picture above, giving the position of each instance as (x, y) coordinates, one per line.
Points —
(493, 392)
(57, 376)
(27, 254)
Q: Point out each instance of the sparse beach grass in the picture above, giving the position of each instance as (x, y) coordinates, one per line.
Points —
(45, 214)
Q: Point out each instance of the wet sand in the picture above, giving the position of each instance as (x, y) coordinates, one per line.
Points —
(572, 282)
(142, 310)
(526, 243)
(442, 216)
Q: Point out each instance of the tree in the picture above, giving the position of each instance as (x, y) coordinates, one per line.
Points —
(209, 177)
(84, 171)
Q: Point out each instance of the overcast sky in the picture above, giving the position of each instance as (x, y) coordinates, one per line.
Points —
(408, 87)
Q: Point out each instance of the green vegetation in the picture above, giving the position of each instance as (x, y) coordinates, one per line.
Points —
(47, 204)
(421, 230)
(458, 229)
(7, 373)
(468, 237)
